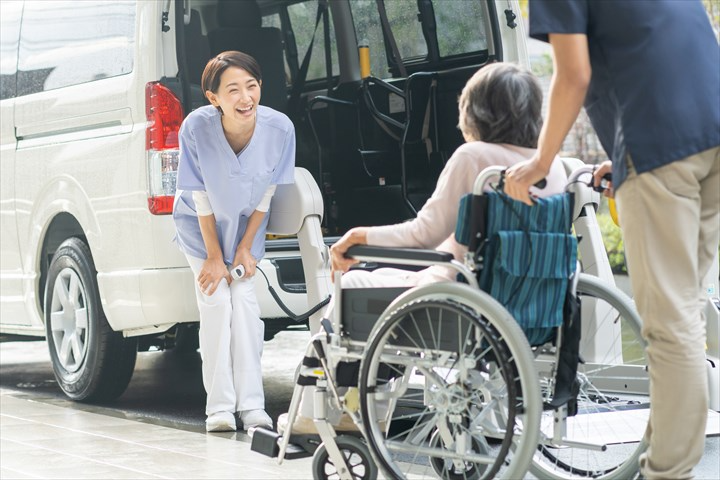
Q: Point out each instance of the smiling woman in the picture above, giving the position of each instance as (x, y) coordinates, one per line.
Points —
(233, 153)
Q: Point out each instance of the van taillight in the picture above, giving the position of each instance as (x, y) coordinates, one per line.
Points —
(164, 116)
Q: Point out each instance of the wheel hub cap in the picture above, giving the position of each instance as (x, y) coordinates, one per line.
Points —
(69, 320)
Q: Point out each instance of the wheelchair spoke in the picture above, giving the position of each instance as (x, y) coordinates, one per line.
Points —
(457, 393)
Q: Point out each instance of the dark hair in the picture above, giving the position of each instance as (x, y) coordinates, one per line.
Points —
(502, 103)
(218, 64)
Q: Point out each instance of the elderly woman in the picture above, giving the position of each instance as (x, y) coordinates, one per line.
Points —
(500, 119)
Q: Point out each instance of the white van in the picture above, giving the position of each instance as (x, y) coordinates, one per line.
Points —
(93, 93)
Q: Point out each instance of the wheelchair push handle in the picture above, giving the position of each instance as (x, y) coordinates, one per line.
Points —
(589, 170)
(603, 183)
(496, 172)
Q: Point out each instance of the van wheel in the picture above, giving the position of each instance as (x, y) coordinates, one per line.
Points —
(91, 362)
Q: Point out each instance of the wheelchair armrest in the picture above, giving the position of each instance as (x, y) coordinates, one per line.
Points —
(398, 255)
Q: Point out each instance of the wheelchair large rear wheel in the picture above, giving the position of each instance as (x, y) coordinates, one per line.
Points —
(613, 401)
(441, 393)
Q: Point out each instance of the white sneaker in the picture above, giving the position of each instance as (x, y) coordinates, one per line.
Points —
(220, 422)
(255, 418)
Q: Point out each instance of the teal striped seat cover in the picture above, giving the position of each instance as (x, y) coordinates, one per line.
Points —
(528, 256)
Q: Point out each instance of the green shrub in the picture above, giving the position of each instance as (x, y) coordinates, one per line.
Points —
(612, 238)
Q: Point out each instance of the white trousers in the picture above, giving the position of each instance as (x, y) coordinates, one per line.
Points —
(670, 218)
(231, 345)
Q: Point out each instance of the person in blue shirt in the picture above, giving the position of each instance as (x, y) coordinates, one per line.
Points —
(232, 155)
(649, 75)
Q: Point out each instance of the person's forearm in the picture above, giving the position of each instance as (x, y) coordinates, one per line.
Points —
(568, 89)
(251, 229)
(358, 236)
(210, 236)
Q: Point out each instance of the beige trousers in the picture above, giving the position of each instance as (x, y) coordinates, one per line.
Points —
(670, 221)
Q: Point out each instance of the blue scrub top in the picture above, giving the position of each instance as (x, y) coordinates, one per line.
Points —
(235, 184)
(655, 88)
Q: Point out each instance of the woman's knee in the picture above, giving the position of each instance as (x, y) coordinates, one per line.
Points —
(221, 295)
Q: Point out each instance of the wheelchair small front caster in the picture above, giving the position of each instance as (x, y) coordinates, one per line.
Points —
(357, 457)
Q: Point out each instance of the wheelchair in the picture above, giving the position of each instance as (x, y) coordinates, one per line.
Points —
(443, 380)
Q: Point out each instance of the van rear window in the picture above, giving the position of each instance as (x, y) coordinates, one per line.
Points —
(66, 43)
(461, 22)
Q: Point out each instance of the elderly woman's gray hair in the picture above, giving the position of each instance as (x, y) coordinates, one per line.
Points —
(502, 103)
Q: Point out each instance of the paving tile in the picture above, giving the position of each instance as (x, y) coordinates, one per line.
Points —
(26, 408)
(10, 420)
(89, 445)
(52, 442)
(8, 474)
(8, 446)
(32, 432)
(93, 471)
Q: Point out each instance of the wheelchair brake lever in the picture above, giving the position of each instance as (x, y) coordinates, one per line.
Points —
(327, 326)
(317, 345)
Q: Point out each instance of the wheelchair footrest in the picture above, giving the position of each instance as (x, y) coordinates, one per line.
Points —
(308, 442)
(267, 442)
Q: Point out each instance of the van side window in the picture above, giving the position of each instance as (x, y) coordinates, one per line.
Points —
(302, 20)
(274, 21)
(403, 19)
(66, 43)
(414, 24)
(9, 34)
(461, 23)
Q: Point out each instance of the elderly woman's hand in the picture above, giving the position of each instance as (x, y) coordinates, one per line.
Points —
(338, 261)
(521, 176)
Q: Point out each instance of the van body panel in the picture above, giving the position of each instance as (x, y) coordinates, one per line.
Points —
(11, 292)
(136, 299)
(11, 275)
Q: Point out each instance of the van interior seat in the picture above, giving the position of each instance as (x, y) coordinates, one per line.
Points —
(240, 28)
(431, 134)
(197, 48)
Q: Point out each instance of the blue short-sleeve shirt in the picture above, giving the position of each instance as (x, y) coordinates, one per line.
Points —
(235, 184)
(655, 88)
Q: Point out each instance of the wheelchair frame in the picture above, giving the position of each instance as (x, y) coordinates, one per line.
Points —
(529, 364)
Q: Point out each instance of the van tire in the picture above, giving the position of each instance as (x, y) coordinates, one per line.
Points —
(91, 362)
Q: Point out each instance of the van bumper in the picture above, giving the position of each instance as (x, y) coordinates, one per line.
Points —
(147, 301)
(140, 302)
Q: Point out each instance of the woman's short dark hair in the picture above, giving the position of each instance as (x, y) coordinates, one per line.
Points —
(502, 103)
(218, 64)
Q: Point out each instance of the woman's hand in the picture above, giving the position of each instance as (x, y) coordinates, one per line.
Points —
(599, 173)
(244, 257)
(212, 273)
(338, 261)
(520, 177)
